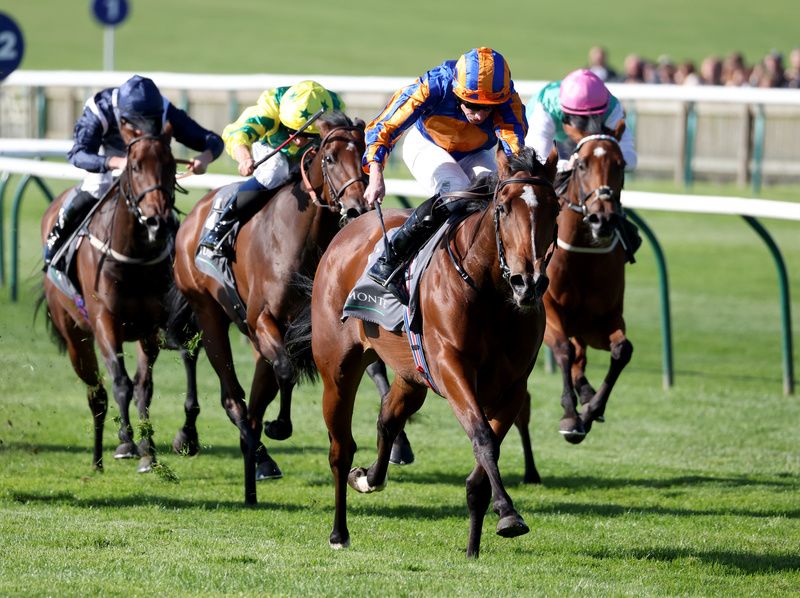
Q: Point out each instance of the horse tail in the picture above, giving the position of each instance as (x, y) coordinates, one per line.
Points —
(181, 329)
(298, 335)
(52, 330)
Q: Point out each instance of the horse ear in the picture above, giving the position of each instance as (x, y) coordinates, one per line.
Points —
(551, 165)
(503, 170)
(573, 133)
(167, 130)
(619, 130)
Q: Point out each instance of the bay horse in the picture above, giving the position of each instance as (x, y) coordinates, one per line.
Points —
(482, 329)
(283, 241)
(584, 301)
(123, 269)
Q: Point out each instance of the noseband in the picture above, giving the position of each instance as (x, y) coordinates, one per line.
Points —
(538, 181)
(132, 200)
(335, 202)
(601, 193)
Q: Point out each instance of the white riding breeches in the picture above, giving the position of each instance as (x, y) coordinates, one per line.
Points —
(437, 170)
(274, 172)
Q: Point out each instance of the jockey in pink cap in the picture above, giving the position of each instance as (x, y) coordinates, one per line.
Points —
(582, 100)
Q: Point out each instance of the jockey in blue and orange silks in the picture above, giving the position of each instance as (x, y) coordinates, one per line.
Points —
(454, 116)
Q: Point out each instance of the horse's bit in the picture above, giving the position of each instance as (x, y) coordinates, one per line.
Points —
(336, 195)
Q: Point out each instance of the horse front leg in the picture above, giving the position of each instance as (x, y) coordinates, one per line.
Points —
(147, 353)
(621, 353)
(486, 447)
(215, 324)
(262, 390)
(583, 388)
(186, 441)
(571, 425)
(269, 344)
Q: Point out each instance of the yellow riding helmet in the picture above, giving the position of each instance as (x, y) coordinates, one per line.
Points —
(302, 101)
(482, 76)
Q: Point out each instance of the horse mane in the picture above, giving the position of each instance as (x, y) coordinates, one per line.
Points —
(336, 118)
(526, 160)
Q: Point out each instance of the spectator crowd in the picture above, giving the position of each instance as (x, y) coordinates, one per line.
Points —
(732, 70)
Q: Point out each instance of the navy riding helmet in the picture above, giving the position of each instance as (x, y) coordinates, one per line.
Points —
(140, 103)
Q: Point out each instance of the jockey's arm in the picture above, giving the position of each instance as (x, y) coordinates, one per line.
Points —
(243, 156)
(376, 189)
(199, 164)
(541, 133)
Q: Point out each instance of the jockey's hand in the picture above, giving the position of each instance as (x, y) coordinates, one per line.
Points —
(376, 189)
(199, 164)
(116, 163)
(242, 155)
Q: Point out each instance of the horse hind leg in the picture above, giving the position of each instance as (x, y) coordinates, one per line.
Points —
(80, 347)
(186, 441)
(402, 453)
(621, 353)
(147, 353)
(402, 400)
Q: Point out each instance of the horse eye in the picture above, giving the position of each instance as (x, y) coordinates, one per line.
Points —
(329, 159)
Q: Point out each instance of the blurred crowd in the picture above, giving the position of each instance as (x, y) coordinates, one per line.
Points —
(770, 71)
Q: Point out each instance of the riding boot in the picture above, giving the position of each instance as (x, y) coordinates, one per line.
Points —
(630, 238)
(417, 229)
(69, 218)
(239, 209)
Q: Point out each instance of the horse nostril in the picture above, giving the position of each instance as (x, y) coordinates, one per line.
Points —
(152, 221)
(593, 219)
(517, 282)
(353, 213)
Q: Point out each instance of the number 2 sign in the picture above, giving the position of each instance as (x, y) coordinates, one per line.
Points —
(12, 45)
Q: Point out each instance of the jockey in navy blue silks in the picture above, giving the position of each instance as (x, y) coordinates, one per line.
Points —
(99, 148)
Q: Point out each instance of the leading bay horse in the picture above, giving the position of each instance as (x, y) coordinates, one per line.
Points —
(482, 333)
(123, 268)
(584, 301)
(283, 240)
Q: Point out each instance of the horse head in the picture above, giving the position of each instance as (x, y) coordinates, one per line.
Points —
(597, 179)
(334, 178)
(148, 181)
(525, 211)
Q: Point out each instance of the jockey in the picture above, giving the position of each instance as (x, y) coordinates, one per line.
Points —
(582, 100)
(459, 110)
(138, 105)
(277, 115)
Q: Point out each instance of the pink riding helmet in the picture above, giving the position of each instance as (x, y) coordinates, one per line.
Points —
(582, 92)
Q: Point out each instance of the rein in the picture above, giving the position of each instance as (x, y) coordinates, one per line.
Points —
(132, 200)
(335, 203)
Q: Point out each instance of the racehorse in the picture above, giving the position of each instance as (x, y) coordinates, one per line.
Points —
(123, 268)
(584, 301)
(483, 323)
(281, 242)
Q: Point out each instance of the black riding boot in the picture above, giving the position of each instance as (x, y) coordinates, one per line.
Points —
(69, 218)
(630, 238)
(417, 229)
(240, 208)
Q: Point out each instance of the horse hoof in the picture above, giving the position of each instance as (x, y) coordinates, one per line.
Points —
(600, 419)
(357, 480)
(145, 465)
(512, 526)
(126, 450)
(532, 479)
(574, 437)
(268, 470)
(572, 429)
(401, 452)
(339, 544)
(183, 444)
(278, 429)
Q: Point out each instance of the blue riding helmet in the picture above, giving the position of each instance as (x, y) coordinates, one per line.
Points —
(140, 103)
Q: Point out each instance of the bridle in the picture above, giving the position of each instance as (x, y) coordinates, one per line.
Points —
(535, 180)
(601, 193)
(335, 195)
(501, 254)
(133, 199)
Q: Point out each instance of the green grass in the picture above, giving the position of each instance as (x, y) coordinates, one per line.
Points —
(690, 491)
